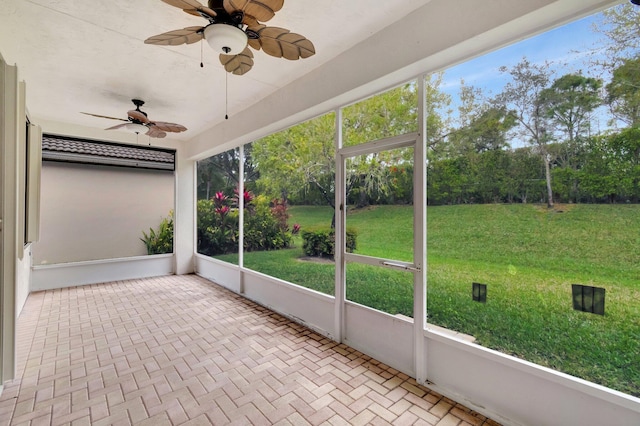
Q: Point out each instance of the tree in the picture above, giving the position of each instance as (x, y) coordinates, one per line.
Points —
(471, 101)
(491, 177)
(449, 180)
(598, 177)
(368, 177)
(437, 115)
(623, 92)
(626, 146)
(209, 178)
(220, 172)
(483, 124)
(526, 176)
(521, 96)
(302, 157)
(569, 103)
(387, 114)
(298, 158)
(489, 129)
(621, 27)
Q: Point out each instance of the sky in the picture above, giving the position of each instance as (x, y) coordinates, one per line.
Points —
(569, 48)
(568, 45)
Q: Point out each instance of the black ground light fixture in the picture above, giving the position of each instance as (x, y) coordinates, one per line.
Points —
(636, 2)
(587, 298)
(479, 292)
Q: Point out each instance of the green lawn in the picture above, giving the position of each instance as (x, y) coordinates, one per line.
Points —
(528, 257)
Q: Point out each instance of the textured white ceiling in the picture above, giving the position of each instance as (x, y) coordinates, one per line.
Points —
(89, 55)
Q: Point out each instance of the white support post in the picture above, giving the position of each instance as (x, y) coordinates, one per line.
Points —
(420, 238)
(340, 211)
(241, 217)
(21, 169)
(8, 217)
(184, 215)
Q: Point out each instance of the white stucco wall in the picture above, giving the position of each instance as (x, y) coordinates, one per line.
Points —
(97, 212)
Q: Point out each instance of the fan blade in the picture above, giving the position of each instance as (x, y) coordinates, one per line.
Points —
(176, 37)
(251, 22)
(262, 10)
(255, 44)
(168, 127)
(282, 43)
(255, 27)
(192, 7)
(137, 116)
(238, 64)
(154, 132)
(117, 126)
(104, 116)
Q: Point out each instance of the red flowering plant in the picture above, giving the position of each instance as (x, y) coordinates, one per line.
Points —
(222, 211)
(265, 223)
(247, 199)
(219, 199)
(217, 226)
(279, 212)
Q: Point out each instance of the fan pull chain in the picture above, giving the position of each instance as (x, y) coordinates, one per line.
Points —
(201, 63)
(226, 95)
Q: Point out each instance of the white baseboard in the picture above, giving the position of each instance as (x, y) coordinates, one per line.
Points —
(47, 277)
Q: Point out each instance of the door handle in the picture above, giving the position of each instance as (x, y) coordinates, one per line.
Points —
(403, 266)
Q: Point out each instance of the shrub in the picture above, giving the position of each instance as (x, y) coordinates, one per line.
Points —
(160, 241)
(266, 225)
(351, 237)
(280, 214)
(217, 226)
(205, 220)
(320, 242)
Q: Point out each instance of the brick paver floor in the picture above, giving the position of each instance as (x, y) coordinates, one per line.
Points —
(182, 350)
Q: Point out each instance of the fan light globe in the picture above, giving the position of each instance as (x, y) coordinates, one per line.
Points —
(136, 128)
(226, 39)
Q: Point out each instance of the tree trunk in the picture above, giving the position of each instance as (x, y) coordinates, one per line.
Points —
(362, 199)
(547, 172)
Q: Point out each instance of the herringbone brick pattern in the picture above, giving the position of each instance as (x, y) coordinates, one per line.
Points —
(181, 350)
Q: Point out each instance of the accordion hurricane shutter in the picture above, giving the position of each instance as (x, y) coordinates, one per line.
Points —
(74, 150)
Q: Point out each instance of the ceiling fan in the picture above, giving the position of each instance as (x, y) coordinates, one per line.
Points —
(234, 24)
(138, 122)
